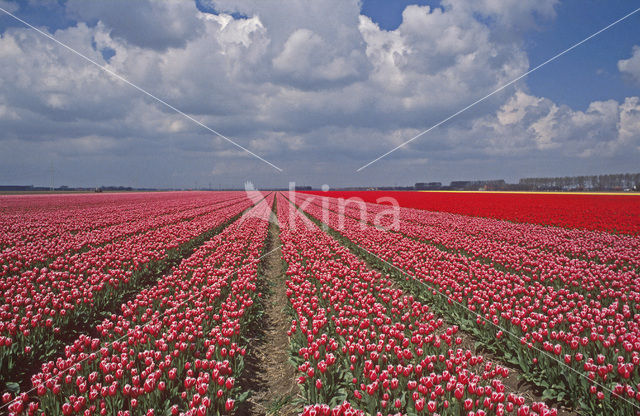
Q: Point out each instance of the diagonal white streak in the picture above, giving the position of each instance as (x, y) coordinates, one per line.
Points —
(553, 58)
(506, 331)
(477, 315)
(142, 90)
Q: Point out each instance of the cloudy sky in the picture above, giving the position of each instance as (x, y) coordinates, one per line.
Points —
(318, 88)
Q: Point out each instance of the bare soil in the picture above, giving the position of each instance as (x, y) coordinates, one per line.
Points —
(269, 373)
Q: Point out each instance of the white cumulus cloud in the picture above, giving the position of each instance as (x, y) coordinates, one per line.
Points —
(631, 67)
(315, 87)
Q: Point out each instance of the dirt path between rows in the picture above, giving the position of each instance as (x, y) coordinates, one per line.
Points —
(270, 374)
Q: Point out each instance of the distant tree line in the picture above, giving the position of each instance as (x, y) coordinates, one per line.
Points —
(620, 181)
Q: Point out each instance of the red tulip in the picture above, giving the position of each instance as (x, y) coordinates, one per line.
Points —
(229, 404)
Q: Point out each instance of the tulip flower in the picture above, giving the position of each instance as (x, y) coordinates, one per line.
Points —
(166, 327)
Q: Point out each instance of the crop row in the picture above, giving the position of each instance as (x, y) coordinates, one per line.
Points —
(34, 238)
(513, 244)
(175, 348)
(31, 218)
(41, 306)
(610, 213)
(560, 334)
(363, 346)
(531, 251)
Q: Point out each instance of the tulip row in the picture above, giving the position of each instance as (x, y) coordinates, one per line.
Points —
(531, 252)
(557, 323)
(33, 238)
(31, 218)
(41, 307)
(611, 213)
(365, 346)
(174, 349)
(522, 247)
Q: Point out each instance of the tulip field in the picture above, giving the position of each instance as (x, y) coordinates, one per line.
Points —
(560, 304)
(611, 212)
(149, 303)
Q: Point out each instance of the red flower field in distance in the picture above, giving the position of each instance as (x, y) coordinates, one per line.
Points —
(612, 213)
